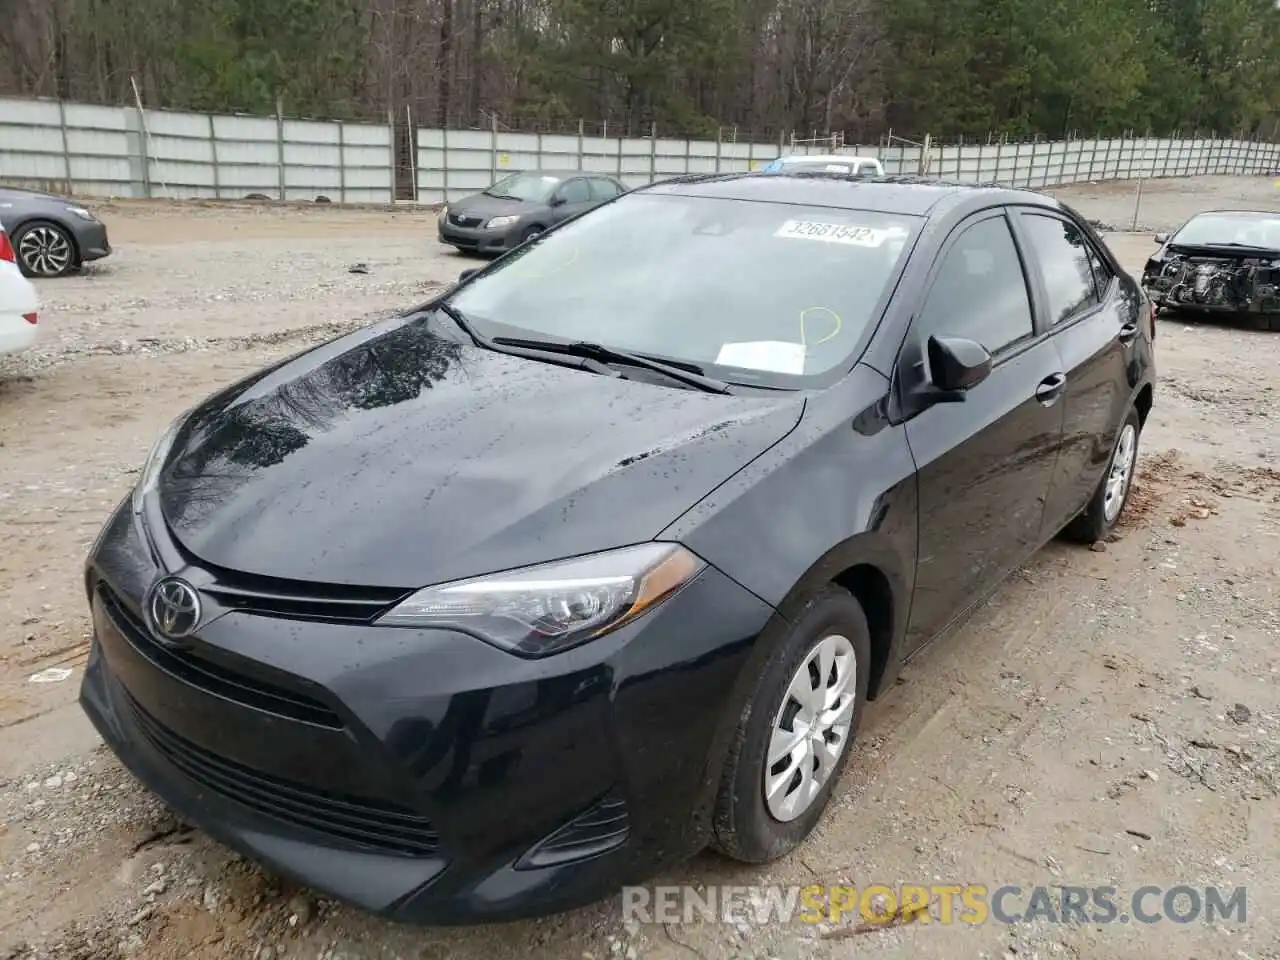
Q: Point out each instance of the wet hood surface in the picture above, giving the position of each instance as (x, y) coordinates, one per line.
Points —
(397, 457)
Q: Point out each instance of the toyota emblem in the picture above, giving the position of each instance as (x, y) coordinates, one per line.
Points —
(174, 608)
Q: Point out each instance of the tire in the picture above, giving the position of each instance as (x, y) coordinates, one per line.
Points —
(746, 826)
(44, 249)
(530, 233)
(1103, 511)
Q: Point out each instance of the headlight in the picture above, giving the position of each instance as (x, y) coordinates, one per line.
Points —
(155, 460)
(497, 223)
(544, 609)
(81, 212)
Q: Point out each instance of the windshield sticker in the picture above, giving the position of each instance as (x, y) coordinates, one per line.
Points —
(775, 356)
(832, 233)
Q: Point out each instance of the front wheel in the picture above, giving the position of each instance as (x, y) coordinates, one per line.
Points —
(44, 250)
(795, 734)
(1108, 502)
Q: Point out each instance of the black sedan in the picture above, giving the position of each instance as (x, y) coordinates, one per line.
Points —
(521, 206)
(1220, 262)
(51, 236)
(484, 610)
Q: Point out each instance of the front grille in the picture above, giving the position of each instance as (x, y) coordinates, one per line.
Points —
(602, 828)
(214, 678)
(295, 600)
(462, 221)
(347, 821)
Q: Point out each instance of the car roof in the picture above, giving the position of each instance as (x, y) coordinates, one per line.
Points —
(827, 158)
(1266, 214)
(912, 196)
(564, 174)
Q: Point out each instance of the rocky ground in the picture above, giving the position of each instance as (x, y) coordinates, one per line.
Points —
(1111, 717)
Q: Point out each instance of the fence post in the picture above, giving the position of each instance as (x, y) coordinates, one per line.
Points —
(751, 154)
(280, 150)
(213, 154)
(581, 146)
(143, 147)
(1119, 156)
(1106, 160)
(342, 162)
(653, 152)
(444, 163)
(66, 153)
(719, 132)
(999, 160)
(493, 148)
(412, 134)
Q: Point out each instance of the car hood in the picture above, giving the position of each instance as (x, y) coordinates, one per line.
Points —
(480, 205)
(9, 195)
(395, 457)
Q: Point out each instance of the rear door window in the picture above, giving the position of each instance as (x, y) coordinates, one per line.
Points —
(1065, 263)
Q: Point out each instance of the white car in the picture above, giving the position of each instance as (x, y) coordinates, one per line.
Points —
(846, 164)
(19, 305)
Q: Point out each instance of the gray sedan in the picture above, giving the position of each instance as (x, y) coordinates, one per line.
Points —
(521, 206)
(51, 236)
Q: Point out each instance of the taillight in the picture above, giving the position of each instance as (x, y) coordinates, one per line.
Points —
(31, 318)
(6, 248)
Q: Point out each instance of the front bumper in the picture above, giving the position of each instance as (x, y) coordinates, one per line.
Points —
(91, 239)
(478, 239)
(424, 775)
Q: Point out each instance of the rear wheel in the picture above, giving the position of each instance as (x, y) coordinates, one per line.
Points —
(44, 250)
(795, 734)
(1108, 502)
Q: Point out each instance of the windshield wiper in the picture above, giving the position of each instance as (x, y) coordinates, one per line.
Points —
(500, 196)
(598, 351)
(529, 353)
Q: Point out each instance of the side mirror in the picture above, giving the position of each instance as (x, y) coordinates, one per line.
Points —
(1160, 238)
(557, 201)
(957, 365)
(466, 275)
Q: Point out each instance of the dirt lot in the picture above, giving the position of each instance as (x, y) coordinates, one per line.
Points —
(1111, 717)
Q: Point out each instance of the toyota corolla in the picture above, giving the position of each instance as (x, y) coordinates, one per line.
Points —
(594, 560)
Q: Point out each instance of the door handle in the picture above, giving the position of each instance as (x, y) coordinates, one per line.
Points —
(1127, 333)
(1050, 389)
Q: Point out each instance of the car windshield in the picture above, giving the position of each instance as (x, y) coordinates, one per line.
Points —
(524, 186)
(750, 291)
(1211, 229)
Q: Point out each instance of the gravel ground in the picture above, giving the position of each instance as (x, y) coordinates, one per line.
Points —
(1110, 717)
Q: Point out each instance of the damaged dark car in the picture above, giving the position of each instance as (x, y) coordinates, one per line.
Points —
(1223, 262)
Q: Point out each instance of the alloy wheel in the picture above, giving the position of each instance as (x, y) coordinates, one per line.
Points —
(1121, 475)
(811, 730)
(45, 251)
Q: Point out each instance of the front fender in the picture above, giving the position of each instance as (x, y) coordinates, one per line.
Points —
(838, 492)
